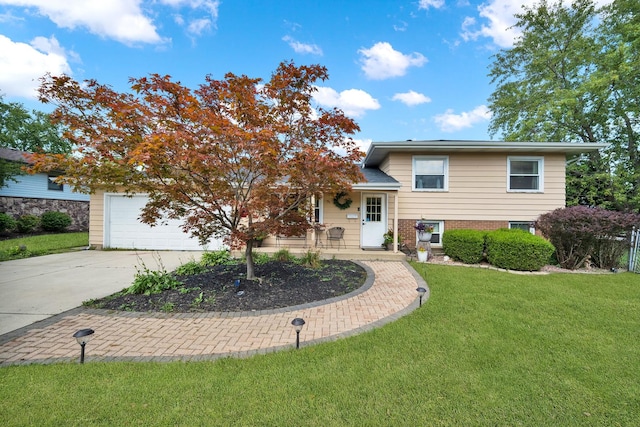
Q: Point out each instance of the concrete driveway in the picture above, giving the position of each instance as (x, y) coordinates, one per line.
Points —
(34, 289)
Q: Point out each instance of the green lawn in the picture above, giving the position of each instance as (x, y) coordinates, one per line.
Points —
(25, 247)
(487, 348)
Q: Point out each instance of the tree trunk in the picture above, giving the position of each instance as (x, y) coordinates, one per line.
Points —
(251, 273)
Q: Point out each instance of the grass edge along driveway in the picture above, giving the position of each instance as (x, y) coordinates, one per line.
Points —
(487, 348)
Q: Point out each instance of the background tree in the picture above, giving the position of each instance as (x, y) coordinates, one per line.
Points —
(236, 158)
(26, 131)
(573, 76)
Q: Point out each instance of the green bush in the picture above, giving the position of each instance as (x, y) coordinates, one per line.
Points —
(191, 268)
(27, 223)
(55, 221)
(464, 245)
(311, 259)
(150, 282)
(283, 255)
(216, 258)
(7, 223)
(518, 250)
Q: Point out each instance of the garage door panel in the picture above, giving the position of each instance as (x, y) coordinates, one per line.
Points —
(125, 230)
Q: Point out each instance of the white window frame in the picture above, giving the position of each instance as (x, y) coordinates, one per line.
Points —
(440, 230)
(529, 224)
(52, 185)
(445, 186)
(540, 173)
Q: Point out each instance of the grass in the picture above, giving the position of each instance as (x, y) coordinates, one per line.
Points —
(487, 348)
(25, 247)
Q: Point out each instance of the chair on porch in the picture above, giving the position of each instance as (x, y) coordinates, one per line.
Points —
(336, 234)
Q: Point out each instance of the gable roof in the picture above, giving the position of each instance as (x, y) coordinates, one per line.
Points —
(375, 179)
(13, 155)
(379, 149)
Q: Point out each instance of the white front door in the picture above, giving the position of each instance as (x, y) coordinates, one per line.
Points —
(374, 219)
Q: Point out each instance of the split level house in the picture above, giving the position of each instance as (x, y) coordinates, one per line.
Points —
(483, 185)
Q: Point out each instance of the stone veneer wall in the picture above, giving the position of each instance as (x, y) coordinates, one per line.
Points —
(77, 210)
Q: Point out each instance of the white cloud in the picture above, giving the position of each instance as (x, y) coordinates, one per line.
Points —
(303, 48)
(21, 64)
(354, 102)
(450, 122)
(198, 26)
(381, 61)
(121, 20)
(411, 98)
(363, 144)
(426, 4)
(499, 16)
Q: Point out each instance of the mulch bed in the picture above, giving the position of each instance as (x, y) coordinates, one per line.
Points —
(281, 284)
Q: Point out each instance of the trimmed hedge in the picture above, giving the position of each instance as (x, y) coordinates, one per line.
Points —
(518, 250)
(27, 223)
(55, 221)
(7, 223)
(464, 245)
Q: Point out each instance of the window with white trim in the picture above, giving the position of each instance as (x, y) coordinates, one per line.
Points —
(520, 225)
(53, 185)
(430, 173)
(525, 174)
(436, 234)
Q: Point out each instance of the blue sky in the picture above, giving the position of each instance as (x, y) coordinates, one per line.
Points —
(402, 69)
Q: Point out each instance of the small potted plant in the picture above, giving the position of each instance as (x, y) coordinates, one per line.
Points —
(388, 240)
(423, 254)
(424, 231)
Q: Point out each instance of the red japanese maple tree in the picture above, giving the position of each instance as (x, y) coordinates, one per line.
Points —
(236, 158)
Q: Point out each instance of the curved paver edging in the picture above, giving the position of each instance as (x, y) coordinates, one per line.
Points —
(388, 294)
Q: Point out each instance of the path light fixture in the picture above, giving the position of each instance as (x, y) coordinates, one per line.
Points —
(421, 292)
(297, 323)
(83, 336)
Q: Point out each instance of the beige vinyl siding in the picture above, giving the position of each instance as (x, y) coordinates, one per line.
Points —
(478, 189)
(335, 217)
(96, 219)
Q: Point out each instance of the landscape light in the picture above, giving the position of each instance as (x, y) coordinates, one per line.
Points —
(421, 292)
(83, 336)
(298, 323)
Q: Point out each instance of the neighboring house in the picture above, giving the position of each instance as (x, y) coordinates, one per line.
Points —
(482, 185)
(39, 193)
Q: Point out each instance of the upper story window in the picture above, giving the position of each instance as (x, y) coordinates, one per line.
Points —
(53, 185)
(525, 174)
(431, 173)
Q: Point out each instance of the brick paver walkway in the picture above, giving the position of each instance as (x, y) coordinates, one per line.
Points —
(146, 337)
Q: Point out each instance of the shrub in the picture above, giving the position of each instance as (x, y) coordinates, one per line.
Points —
(464, 245)
(518, 250)
(7, 223)
(150, 282)
(283, 255)
(216, 258)
(311, 259)
(580, 232)
(191, 268)
(55, 221)
(27, 223)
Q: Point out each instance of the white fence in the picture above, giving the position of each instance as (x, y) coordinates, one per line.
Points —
(634, 249)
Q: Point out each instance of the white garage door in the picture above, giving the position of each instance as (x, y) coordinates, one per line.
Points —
(123, 229)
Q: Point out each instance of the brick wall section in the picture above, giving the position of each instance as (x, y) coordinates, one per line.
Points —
(408, 233)
(77, 210)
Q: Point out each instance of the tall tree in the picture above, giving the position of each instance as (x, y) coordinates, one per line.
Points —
(26, 131)
(568, 77)
(236, 158)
